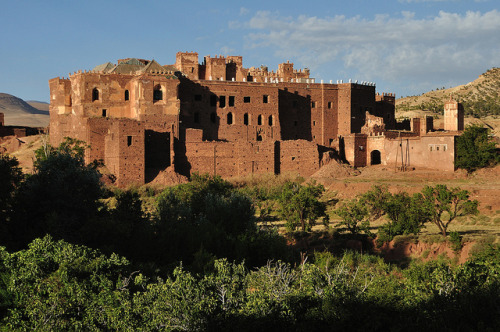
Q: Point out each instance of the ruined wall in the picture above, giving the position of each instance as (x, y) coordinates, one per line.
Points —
(355, 149)
(2, 119)
(385, 107)
(187, 63)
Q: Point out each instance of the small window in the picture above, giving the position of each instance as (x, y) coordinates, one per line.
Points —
(246, 99)
(259, 138)
(314, 123)
(245, 119)
(437, 148)
(157, 93)
(213, 100)
(104, 113)
(197, 97)
(95, 94)
(127, 95)
(231, 101)
(213, 117)
(265, 99)
(259, 120)
(229, 118)
(430, 147)
(129, 140)
(444, 147)
(222, 101)
(270, 120)
(313, 104)
(196, 117)
(329, 105)
(295, 123)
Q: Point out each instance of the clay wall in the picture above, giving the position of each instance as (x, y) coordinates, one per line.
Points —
(375, 149)
(299, 156)
(124, 151)
(230, 110)
(431, 151)
(355, 149)
(453, 116)
(215, 68)
(2, 119)
(385, 107)
(187, 63)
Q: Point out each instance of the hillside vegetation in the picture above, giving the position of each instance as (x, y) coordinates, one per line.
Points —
(480, 97)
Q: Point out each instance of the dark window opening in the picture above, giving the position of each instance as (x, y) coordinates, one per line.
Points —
(313, 104)
(127, 95)
(295, 123)
(259, 138)
(229, 118)
(213, 117)
(270, 120)
(157, 93)
(129, 140)
(231, 101)
(314, 123)
(246, 99)
(192, 69)
(95, 94)
(265, 99)
(213, 100)
(329, 104)
(222, 101)
(245, 119)
(259, 120)
(104, 113)
(293, 158)
(197, 97)
(196, 117)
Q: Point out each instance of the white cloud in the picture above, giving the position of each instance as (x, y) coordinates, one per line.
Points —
(384, 48)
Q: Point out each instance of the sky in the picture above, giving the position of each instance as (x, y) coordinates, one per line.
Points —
(406, 47)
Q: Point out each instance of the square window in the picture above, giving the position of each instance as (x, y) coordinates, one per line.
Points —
(222, 101)
(246, 99)
(265, 99)
(231, 101)
(197, 97)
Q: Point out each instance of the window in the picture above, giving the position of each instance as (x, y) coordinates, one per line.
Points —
(229, 118)
(213, 100)
(329, 104)
(245, 119)
(222, 101)
(313, 104)
(265, 99)
(104, 113)
(270, 120)
(213, 117)
(231, 101)
(95, 94)
(246, 99)
(295, 123)
(314, 123)
(127, 95)
(197, 97)
(259, 120)
(157, 93)
(129, 140)
(196, 117)
(294, 104)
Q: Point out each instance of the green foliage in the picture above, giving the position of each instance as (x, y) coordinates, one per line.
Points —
(11, 177)
(354, 215)
(456, 241)
(59, 197)
(300, 205)
(454, 202)
(475, 149)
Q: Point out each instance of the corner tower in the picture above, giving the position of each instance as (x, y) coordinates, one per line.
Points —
(453, 115)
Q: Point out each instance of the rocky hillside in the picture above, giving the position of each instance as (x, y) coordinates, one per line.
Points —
(480, 97)
(19, 113)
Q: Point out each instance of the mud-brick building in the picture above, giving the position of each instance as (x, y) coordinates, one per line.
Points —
(216, 117)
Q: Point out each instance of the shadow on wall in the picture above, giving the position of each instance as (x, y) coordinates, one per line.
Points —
(294, 116)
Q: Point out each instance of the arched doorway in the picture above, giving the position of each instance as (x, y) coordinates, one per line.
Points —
(375, 157)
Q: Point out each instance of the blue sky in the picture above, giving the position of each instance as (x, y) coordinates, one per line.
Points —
(405, 46)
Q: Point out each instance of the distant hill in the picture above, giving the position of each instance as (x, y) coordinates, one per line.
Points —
(480, 97)
(19, 113)
(39, 105)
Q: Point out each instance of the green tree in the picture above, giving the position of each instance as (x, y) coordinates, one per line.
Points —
(300, 205)
(60, 196)
(11, 177)
(475, 149)
(355, 216)
(444, 205)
